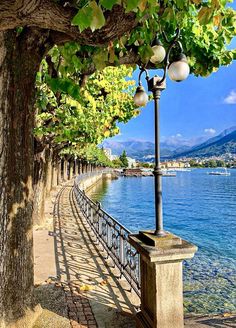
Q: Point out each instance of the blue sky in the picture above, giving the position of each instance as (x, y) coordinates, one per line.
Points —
(196, 107)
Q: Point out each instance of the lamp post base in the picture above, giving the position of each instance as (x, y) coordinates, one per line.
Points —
(161, 279)
(163, 239)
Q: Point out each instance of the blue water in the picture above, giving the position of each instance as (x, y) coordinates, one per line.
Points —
(198, 207)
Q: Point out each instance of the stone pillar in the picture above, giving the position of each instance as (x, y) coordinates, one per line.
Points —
(161, 279)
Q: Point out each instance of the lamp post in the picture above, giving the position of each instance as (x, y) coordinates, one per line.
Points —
(178, 70)
(161, 252)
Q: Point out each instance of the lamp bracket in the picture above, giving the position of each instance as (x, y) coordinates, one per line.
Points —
(156, 83)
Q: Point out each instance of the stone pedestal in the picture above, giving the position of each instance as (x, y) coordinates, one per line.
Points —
(161, 279)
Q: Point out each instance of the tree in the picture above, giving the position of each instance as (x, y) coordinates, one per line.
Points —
(211, 163)
(123, 159)
(220, 163)
(106, 33)
(72, 124)
(117, 163)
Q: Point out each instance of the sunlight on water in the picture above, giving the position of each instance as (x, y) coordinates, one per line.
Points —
(198, 207)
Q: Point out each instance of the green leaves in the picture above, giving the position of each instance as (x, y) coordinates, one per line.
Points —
(131, 5)
(98, 19)
(108, 4)
(83, 18)
(145, 53)
(89, 16)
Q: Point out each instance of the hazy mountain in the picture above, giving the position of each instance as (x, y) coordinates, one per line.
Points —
(134, 148)
(219, 145)
(215, 139)
(144, 150)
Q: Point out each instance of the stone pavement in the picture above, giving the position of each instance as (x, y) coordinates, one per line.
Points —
(95, 296)
(85, 283)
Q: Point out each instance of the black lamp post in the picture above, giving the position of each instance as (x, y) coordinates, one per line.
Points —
(178, 71)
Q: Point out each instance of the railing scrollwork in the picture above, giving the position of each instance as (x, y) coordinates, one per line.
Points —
(112, 235)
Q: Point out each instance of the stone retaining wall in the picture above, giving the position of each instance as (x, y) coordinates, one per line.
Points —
(89, 181)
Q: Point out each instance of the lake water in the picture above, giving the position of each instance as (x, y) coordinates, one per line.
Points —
(198, 207)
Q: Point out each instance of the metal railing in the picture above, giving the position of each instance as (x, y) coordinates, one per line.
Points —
(112, 235)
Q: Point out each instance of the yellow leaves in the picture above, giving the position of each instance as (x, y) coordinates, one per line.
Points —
(227, 314)
(86, 288)
(107, 134)
(197, 30)
(217, 20)
(142, 5)
(205, 15)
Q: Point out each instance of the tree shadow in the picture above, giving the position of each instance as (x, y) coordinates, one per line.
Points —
(220, 322)
(84, 270)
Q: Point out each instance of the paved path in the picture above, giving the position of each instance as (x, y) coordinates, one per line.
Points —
(94, 295)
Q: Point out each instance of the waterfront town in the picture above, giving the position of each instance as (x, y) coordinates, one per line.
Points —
(225, 160)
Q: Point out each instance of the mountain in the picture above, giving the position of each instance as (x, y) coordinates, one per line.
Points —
(143, 150)
(215, 139)
(134, 148)
(223, 143)
(217, 146)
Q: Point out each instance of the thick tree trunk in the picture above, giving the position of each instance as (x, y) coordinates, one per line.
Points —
(20, 57)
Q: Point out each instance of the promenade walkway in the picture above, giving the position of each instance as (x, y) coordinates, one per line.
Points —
(87, 285)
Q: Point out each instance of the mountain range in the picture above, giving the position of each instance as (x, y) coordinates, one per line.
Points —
(221, 144)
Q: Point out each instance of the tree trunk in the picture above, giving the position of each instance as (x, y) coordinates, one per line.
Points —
(59, 171)
(71, 168)
(80, 167)
(20, 57)
(40, 176)
(54, 170)
(49, 173)
(65, 168)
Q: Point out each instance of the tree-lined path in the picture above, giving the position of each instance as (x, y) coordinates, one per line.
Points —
(94, 294)
(87, 284)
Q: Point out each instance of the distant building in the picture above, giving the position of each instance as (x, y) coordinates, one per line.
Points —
(173, 165)
(108, 153)
(131, 162)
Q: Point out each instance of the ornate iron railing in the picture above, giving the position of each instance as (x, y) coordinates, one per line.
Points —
(112, 235)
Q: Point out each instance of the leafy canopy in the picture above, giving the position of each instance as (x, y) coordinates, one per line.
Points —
(207, 28)
(72, 116)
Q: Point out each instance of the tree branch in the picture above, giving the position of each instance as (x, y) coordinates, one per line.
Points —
(47, 14)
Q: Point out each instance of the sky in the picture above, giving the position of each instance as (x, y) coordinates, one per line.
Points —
(196, 107)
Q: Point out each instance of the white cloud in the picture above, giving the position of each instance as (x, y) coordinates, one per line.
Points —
(231, 98)
(178, 135)
(210, 131)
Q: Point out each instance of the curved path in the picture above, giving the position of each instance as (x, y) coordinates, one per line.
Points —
(95, 296)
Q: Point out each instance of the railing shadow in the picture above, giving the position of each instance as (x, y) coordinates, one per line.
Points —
(220, 322)
(82, 267)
